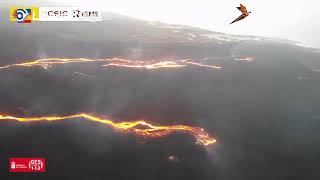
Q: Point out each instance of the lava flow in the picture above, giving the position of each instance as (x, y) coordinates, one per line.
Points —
(116, 62)
(139, 128)
(145, 64)
(249, 59)
(199, 64)
(46, 63)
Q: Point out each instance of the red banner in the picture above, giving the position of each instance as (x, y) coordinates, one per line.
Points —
(27, 164)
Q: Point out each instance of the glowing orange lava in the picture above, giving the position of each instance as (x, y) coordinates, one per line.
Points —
(116, 62)
(139, 128)
(45, 63)
(145, 65)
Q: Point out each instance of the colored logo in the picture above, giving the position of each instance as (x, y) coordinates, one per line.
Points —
(29, 14)
(27, 164)
(24, 14)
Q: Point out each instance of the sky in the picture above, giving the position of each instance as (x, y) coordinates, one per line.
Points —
(290, 19)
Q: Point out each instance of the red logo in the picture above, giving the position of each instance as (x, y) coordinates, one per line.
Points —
(27, 164)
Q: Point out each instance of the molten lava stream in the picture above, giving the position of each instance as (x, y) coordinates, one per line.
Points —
(148, 130)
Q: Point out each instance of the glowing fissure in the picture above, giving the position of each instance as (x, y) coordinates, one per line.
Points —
(148, 130)
(116, 62)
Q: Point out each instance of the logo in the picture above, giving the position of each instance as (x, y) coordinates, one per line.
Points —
(69, 14)
(27, 164)
(24, 14)
(29, 14)
(79, 13)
